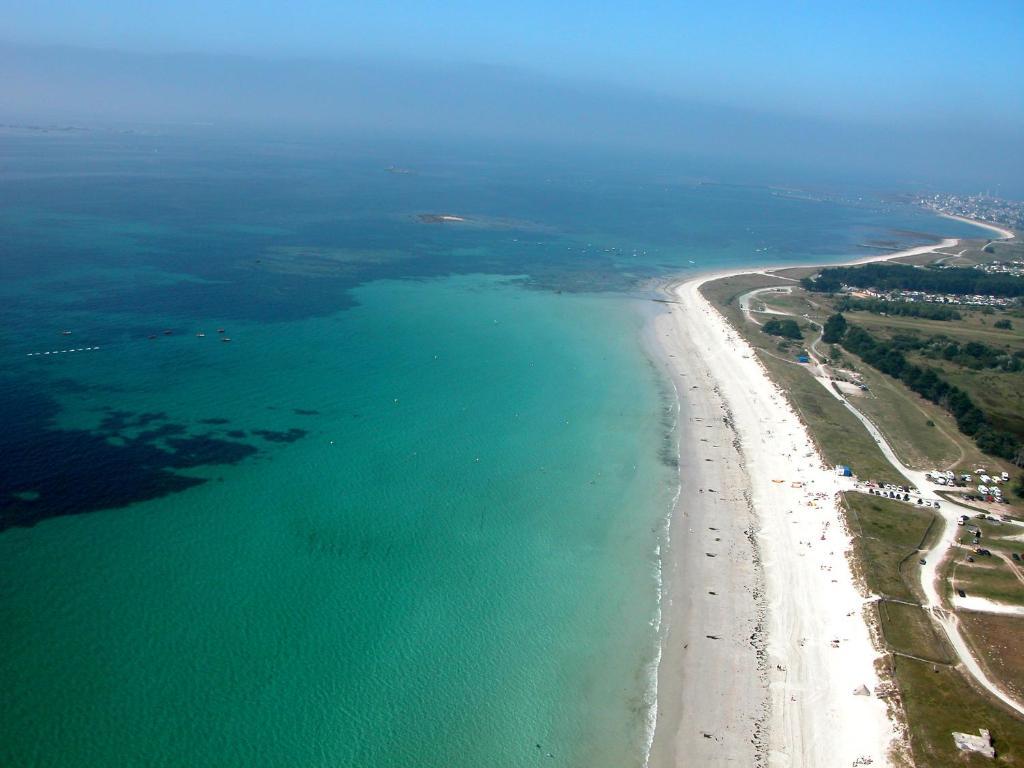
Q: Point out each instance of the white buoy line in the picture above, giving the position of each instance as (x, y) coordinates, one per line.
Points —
(62, 351)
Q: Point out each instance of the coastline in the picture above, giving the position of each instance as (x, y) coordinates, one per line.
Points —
(758, 585)
(1004, 234)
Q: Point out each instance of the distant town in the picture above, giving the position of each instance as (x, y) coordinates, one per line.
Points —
(1007, 213)
(933, 298)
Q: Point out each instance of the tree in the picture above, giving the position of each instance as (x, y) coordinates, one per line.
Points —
(787, 328)
(1003, 324)
(834, 328)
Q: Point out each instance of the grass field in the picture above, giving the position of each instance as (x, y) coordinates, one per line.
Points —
(908, 630)
(991, 576)
(997, 640)
(903, 418)
(887, 535)
(937, 699)
(840, 437)
(973, 327)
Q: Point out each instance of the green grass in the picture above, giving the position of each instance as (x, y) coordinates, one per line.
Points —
(839, 436)
(973, 327)
(837, 433)
(725, 292)
(908, 630)
(936, 698)
(902, 417)
(999, 395)
(988, 577)
(887, 535)
(794, 303)
(938, 701)
(796, 272)
(996, 639)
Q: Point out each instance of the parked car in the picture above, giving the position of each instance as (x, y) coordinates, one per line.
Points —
(961, 593)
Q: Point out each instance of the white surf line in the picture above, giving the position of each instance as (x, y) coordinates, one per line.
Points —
(61, 351)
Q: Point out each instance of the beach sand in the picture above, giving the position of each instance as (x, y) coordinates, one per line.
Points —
(777, 667)
(714, 689)
(1003, 232)
(792, 679)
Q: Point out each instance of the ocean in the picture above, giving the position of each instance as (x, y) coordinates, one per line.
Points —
(294, 474)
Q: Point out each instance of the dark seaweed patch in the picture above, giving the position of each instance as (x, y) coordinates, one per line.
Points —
(235, 433)
(117, 421)
(49, 472)
(215, 421)
(305, 412)
(275, 436)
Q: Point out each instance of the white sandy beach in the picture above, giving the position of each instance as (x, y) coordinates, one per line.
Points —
(819, 658)
(772, 665)
(1004, 234)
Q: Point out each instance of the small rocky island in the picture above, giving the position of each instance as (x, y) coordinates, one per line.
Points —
(439, 218)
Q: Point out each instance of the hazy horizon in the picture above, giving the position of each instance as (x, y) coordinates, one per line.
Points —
(865, 94)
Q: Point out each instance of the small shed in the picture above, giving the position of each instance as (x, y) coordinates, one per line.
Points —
(843, 471)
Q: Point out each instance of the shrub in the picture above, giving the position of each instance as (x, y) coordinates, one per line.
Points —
(834, 329)
(786, 328)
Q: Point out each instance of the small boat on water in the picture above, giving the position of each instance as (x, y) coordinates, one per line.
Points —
(65, 333)
(168, 331)
(225, 339)
(200, 335)
(152, 335)
(220, 330)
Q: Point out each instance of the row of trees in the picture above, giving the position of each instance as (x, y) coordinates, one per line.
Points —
(959, 281)
(977, 355)
(928, 311)
(890, 360)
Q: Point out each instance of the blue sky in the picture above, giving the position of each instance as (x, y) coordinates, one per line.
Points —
(848, 60)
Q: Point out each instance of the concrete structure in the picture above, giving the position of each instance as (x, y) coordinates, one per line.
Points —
(982, 744)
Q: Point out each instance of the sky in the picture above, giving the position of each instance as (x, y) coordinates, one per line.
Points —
(852, 59)
(947, 72)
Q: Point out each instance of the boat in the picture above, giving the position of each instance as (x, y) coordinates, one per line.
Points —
(168, 332)
(200, 335)
(65, 333)
(220, 330)
(225, 339)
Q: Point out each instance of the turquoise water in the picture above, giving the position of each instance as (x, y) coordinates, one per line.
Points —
(408, 515)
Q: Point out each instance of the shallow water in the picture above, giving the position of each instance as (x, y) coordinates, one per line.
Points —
(409, 514)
